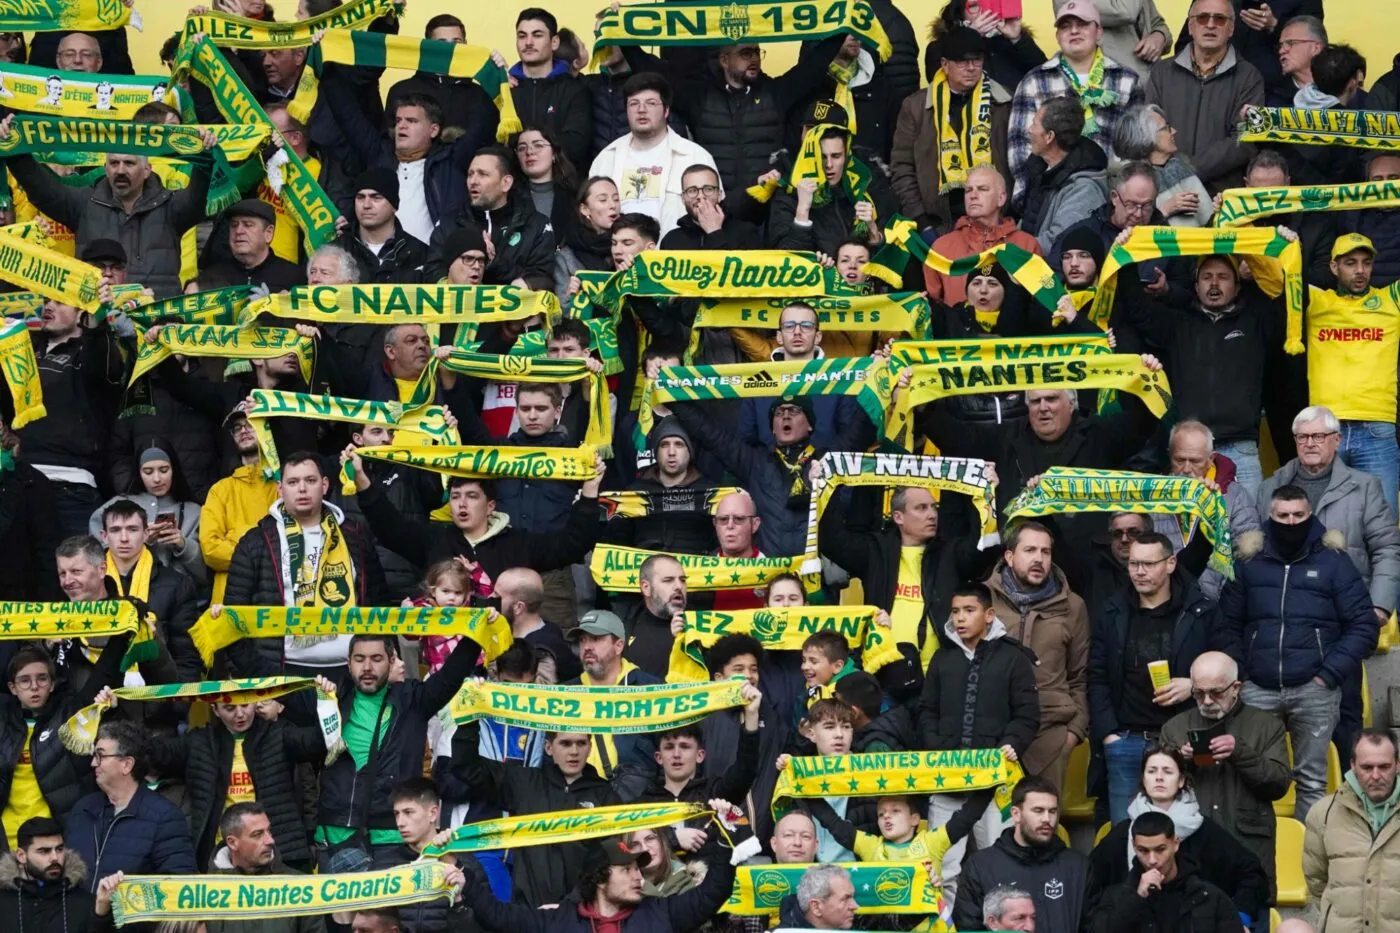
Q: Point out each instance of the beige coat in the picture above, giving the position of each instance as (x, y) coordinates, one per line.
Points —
(1355, 879)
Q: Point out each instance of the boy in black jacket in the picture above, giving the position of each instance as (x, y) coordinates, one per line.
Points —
(979, 694)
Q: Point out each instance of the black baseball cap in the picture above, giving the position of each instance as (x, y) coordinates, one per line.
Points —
(253, 207)
(104, 250)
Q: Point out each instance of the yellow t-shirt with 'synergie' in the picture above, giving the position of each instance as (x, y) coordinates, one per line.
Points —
(26, 799)
(1353, 341)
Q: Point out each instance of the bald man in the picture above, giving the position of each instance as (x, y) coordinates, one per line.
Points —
(79, 51)
(794, 839)
(979, 229)
(736, 522)
(1241, 766)
(521, 592)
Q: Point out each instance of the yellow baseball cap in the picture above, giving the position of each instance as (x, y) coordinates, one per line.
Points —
(1350, 242)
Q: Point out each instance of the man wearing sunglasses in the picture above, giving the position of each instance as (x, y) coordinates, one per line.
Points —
(1243, 768)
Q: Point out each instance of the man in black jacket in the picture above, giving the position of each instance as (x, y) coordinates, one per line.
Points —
(251, 225)
(678, 519)
(1164, 893)
(385, 727)
(384, 251)
(41, 882)
(465, 106)
(680, 752)
(522, 238)
(545, 90)
(1031, 857)
(802, 221)
(706, 224)
(417, 810)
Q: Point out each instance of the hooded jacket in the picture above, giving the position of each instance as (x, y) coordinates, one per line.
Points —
(1055, 876)
(1056, 631)
(149, 837)
(62, 906)
(1186, 904)
(542, 874)
(235, 504)
(1288, 621)
(1058, 197)
(981, 697)
(523, 237)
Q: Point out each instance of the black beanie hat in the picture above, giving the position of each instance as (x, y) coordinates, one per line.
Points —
(383, 180)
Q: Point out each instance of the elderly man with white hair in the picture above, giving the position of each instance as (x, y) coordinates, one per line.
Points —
(1008, 908)
(1352, 502)
(1191, 452)
(825, 900)
(1243, 766)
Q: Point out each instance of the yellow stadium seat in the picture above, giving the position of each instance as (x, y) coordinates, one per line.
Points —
(853, 594)
(1366, 693)
(1103, 831)
(1285, 805)
(1334, 770)
(1275, 918)
(1075, 803)
(1062, 833)
(1288, 864)
(1386, 639)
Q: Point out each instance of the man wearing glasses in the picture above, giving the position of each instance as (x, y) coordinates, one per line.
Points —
(1243, 769)
(1298, 44)
(1163, 619)
(708, 222)
(1203, 90)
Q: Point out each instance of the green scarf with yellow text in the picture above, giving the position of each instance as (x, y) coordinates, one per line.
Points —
(60, 15)
(1360, 129)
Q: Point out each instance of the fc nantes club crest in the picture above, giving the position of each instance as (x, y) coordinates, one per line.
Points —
(734, 21)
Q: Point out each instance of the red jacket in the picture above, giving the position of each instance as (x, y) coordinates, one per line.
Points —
(968, 238)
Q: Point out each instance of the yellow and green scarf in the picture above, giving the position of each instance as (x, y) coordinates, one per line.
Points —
(1157, 242)
(763, 273)
(38, 621)
(908, 312)
(431, 56)
(49, 273)
(881, 888)
(951, 771)
(603, 331)
(1091, 92)
(237, 32)
(221, 306)
(224, 342)
(616, 569)
(704, 22)
(1240, 207)
(542, 829)
(1359, 129)
(238, 897)
(21, 370)
(903, 242)
(59, 15)
(961, 151)
(331, 582)
(404, 304)
(855, 178)
(1064, 490)
(595, 710)
(570, 464)
(486, 627)
(80, 94)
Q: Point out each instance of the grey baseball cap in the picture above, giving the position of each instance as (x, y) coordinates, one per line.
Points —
(598, 622)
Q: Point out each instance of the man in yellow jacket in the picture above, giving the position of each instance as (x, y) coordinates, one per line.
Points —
(235, 503)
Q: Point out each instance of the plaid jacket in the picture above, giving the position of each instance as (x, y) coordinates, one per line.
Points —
(1048, 81)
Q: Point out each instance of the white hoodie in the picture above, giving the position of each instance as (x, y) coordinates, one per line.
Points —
(997, 630)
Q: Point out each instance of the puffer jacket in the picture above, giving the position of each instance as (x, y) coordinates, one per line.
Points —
(80, 378)
(234, 506)
(1186, 904)
(150, 234)
(204, 758)
(980, 698)
(221, 865)
(63, 777)
(1057, 632)
(34, 907)
(1353, 873)
(901, 69)
(149, 837)
(1354, 505)
(1288, 622)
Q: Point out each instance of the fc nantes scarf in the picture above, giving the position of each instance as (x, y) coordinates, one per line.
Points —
(865, 378)
(1064, 490)
(855, 178)
(239, 897)
(960, 151)
(1360, 129)
(237, 32)
(570, 464)
(542, 829)
(290, 178)
(595, 710)
(704, 22)
(266, 403)
(404, 304)
(80, 94)
(616, 569)
(486, 627)
(882, 773)
(881, 888)
(779, 629)
(1240, 207)
(511, 368)
(21, 370)
(225, 342)
(217, 306)
(602, 330)
(907, 312)
(431, 56)
(325, 580)
(50, 273)
(30, 134)
(60, 15)
(1155, 242)
(936, 474)
(79, 733)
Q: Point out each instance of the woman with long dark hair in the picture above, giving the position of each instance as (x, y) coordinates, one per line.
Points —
(550, 176)
(586, 239)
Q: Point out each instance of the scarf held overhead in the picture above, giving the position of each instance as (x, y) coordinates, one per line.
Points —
(21, 370)
(571, 464)
(594, 710)
(698, 22)
(616, 569)
(763, 273)
(1157, 242)
(239, 897)
(430, 56)
(872, 775)
(59, 15)
(1240, 207)
(49, 273)
(80, 94)
(1066, 490)
(1360, 129)
(484, 626)
(540, 829)
(237, 32)
(224, 342)
(881, 888)
(404, 304)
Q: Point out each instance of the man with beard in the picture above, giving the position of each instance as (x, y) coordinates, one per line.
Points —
(602, 639)
(385, 729)
(251, 849)
(1031, 857)
(706, 224)
(235, 503)
(130, 205)
(1034, 601)
(522, 239)
(648, 625)
(41, 881)
(1244, 769)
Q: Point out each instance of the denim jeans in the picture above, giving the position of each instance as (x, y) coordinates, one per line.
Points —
(1370, 446)
(1245, 456)
(1122, 760)
(1310, 712)
(72, 507)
